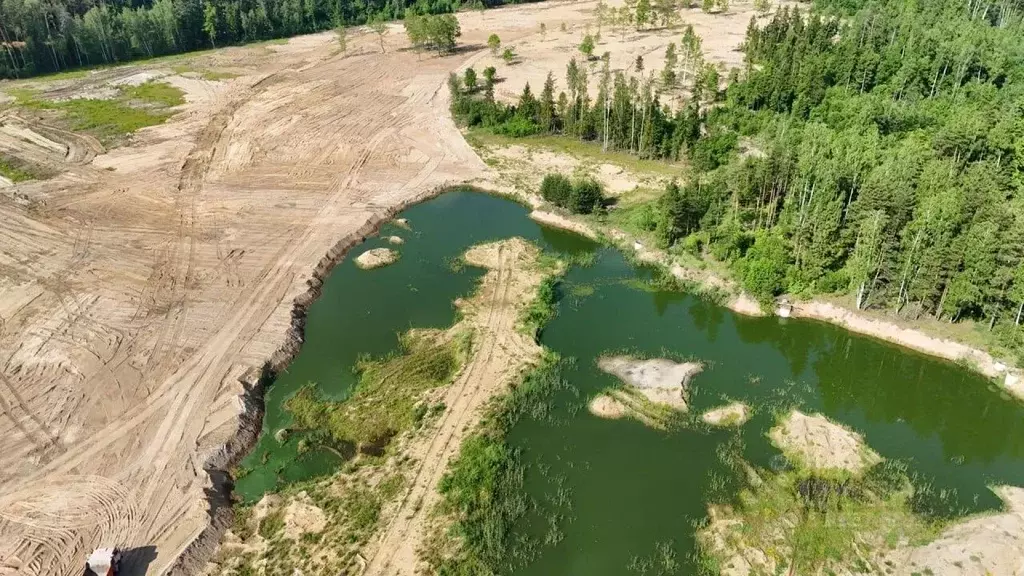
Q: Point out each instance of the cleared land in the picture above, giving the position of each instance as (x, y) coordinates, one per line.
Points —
(143, 285)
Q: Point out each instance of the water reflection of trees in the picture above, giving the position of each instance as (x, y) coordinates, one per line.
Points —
(932, 397)
(888, 384)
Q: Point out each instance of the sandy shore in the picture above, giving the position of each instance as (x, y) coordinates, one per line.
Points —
(742, 303)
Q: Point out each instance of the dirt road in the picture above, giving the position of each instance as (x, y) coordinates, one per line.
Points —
(143, 285)
(134, 300)
(501, 353)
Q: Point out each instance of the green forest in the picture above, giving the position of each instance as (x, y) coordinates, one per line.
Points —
(872, 149)
(39, 37)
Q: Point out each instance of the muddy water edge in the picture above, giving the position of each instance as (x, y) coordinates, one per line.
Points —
(614, 496)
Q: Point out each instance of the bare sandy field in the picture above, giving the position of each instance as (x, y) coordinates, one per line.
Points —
(144, 288)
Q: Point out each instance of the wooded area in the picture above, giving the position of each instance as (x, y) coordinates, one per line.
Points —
(868, 148)
(38, 37)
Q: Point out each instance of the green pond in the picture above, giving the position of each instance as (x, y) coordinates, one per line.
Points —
(610, 492)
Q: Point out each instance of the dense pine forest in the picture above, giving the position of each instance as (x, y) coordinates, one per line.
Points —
(874, 149)
(38, 37)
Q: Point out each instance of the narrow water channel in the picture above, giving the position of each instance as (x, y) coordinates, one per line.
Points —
(613, 492)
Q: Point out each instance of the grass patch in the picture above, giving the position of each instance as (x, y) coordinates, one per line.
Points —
(542, 307)
(817, 523)
(383, 403)
(110, 120)
(272, 523)
(156, 93)
(217, 76)
(482, 491)
(15, 171)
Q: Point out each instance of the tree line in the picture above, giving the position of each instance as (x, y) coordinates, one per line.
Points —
(38, 37)
(867, 148)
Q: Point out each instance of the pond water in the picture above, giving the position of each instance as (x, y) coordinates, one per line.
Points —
(633, 491)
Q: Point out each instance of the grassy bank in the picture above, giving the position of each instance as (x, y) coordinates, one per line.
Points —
(110, 120)
(806, 521)
(387, 400)
(483, 496)
(16, 171)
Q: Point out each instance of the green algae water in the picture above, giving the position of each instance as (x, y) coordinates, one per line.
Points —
(613, 496)
(364, 311)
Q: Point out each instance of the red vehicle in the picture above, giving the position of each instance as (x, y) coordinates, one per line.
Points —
(103, 562)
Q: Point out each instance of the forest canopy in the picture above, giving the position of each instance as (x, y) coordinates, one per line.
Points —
(38, 37)
(870, 149)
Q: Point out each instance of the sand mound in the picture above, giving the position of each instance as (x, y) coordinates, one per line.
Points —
(818, 443)
(376, 258)
(395, 240)
(661, 381)
(605, 406)
(734, 414)
(558, 221)
(303, 517)
(992, 544)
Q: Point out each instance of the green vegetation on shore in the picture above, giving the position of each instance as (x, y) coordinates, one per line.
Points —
(482, 491)
(134, 108)
(38, 38)
(813, 521)
(386, 401)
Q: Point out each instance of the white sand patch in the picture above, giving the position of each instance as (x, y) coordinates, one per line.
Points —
(303, 517)
(821, 444)
(137, 79)
(991, 544)
(661, 381)
(376, 257)
(744, 304)
(735, 414)
(558, 221)
(605, 406)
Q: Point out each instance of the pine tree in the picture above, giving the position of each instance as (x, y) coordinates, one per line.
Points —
(668, 74)
(643, 13)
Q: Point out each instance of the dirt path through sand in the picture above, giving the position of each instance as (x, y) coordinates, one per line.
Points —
(500, 354)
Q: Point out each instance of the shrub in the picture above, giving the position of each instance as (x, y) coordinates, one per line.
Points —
(517, 127)
(586, 196)
(712, 151)
(556, 189)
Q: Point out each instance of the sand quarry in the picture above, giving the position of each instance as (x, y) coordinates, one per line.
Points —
(146, 288)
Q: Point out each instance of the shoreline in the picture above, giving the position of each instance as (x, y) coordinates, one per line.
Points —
(194, 556)
(979, 361)
(218, 465)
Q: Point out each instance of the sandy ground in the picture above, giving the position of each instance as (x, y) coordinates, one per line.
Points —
(982, 546)
(606, 406)
(559, 221)
(500, 354)
(821, 444)
(141, 287)
(661, 381)
(735, 414)
(376, 258)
